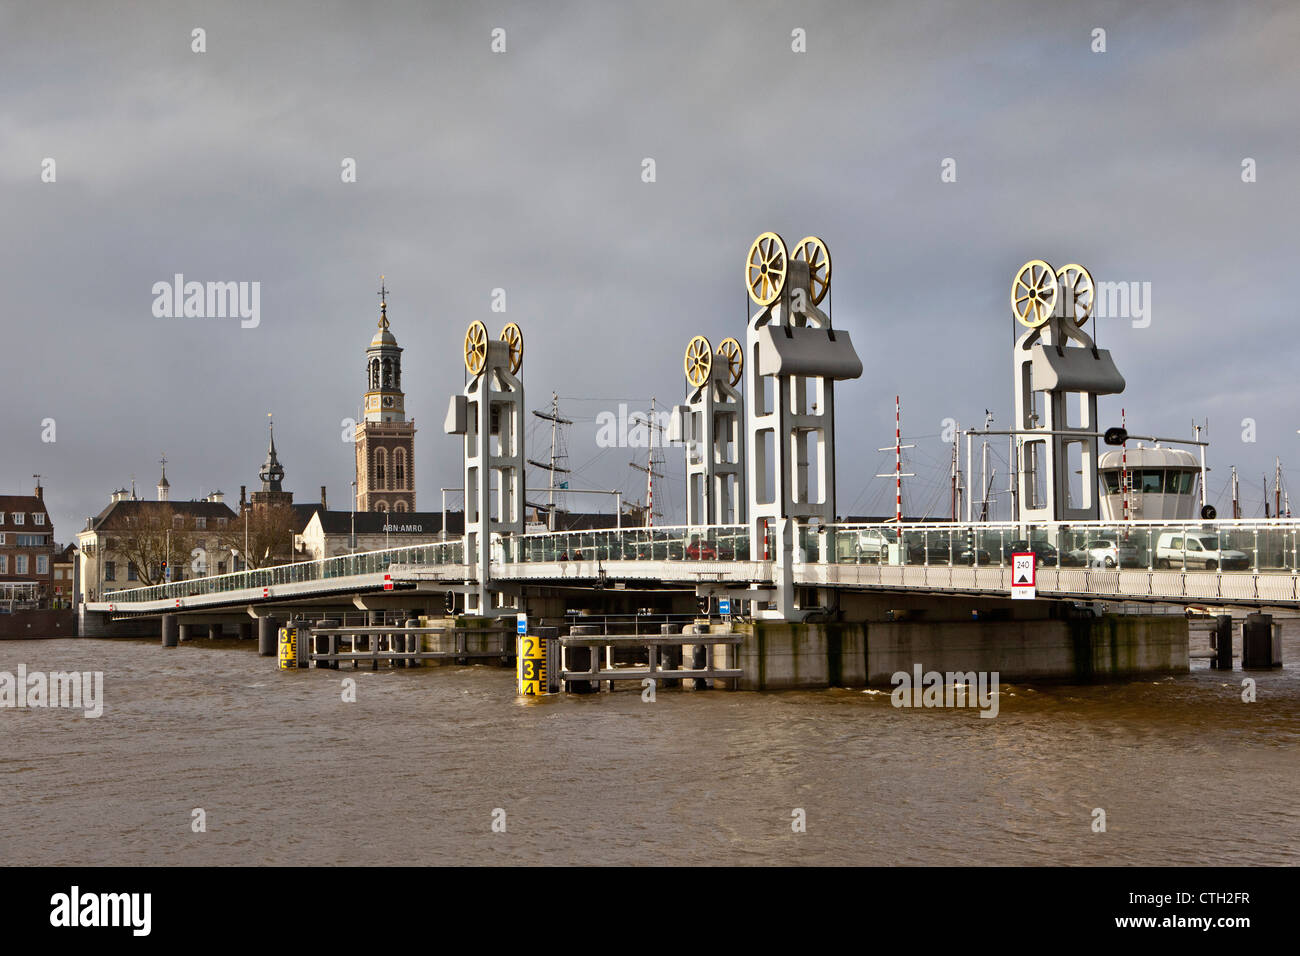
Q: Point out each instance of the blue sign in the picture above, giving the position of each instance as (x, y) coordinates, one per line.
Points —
(724, 605)
(521, 624)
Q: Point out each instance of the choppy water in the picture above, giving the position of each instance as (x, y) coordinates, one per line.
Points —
(288, 773)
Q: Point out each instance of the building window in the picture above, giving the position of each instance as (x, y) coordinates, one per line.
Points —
(110, 570)
(201, 524)
(399, 468)
(20, 564)
(38, 518)
(381, 506)
(2, 534)
(222, 522)
(380, 462)
(19, 517)
(4, 564)
(388, 373)
(130, 572)
(399, 506)
(178, 522)
(221, 567)
(42, 564)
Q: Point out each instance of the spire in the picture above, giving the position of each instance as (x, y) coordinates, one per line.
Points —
(164, 486)
(383, 305)
(272, 472)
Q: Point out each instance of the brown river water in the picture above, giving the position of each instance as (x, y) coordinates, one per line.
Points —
(411, 773)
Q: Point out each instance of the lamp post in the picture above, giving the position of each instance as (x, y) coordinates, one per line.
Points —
(352, 546)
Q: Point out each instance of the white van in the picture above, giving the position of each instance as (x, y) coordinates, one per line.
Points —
(1197, 549)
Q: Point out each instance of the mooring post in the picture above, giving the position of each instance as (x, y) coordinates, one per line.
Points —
(1222, 638)
(266, 636)
(671, 654)
(700, 656)
(323, 642)
(587, 658)
(1257, 645)
(411, 642)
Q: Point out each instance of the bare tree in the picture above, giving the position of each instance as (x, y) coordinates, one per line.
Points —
(270, 529)
(149, 539)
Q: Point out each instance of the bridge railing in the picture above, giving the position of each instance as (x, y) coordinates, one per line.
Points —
(1267, 545)
(339, 566)
(1246, 545)
(670, 543)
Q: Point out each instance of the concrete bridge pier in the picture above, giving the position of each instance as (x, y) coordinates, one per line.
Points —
(169, 630)
(245, 630)
(214, 631)
(779, 655)
(185, 632)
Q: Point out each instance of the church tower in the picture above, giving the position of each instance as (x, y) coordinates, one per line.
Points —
(385, 440)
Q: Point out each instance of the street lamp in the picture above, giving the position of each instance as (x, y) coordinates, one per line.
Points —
(352, 548)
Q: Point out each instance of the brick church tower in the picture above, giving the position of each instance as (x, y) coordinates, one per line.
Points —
(385, 440)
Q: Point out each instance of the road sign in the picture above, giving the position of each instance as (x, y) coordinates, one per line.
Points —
(1023, 576)
(521, 624)
(724, 606)
(388, 582)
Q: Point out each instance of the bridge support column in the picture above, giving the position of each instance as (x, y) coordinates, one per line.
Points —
(245, 630)
(214, 631)
(266, 637)
(169, 630)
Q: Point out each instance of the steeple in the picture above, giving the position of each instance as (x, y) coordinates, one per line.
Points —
(164, 486)
(272, 472)
(384, 439)
(384, 398)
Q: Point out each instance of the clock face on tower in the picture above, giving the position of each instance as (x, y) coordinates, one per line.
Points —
(388, 401)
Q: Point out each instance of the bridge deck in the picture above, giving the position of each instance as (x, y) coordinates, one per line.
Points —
(924, 558)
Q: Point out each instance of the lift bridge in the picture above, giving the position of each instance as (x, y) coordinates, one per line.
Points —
(758, 425)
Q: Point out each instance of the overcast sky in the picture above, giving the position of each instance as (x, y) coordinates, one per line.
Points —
(522, 170)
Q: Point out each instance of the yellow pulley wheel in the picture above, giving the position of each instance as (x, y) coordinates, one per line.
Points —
(699, 361)
(476, 343)
(765, 268)
(1033, 293)
(1075, 283)
(730, 351)
(515, 339)
(814, 252)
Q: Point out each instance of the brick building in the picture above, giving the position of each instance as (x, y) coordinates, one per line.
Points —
(26, 547)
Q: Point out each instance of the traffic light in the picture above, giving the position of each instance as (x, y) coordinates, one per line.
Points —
(1115, 436)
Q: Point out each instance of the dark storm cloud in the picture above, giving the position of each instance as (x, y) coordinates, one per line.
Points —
(522, 171)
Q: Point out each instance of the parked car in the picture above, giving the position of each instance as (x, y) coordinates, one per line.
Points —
(1044, 554)
(969, 555)
(1197, 550)
(936, 552)
(869, 545)
(1106, 553)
